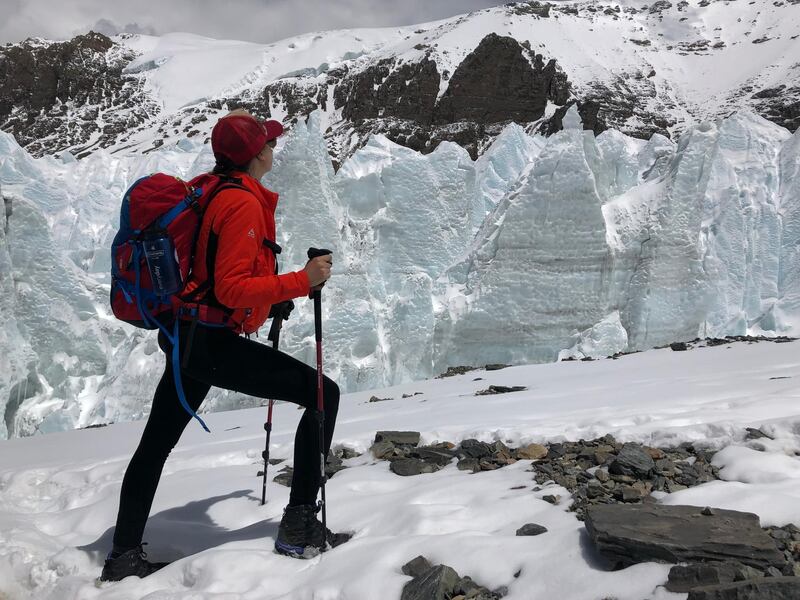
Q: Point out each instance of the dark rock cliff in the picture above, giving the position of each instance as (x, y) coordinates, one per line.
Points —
(70, 94)
(499, 82)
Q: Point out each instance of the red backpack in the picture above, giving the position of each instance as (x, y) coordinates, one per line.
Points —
(153, 251)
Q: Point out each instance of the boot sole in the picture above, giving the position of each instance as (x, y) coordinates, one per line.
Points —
(300, 552)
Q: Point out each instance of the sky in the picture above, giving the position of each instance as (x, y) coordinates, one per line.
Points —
(261, 21)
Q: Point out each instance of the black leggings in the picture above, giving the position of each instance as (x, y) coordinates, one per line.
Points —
(220, 358)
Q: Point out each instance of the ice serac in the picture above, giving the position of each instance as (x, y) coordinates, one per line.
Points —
(741, 227)
(627, 207)
(66, 363)
(708, 251)
(308, 210)
(571, 245)
(308, 215)
(56, 315)
(16, 356)
(655, 157)
(605, 338)
(668, 292)
(499, 168)
(539, 270)
(407, 217)
(788, 305)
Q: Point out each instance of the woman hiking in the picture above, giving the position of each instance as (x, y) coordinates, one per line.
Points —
(234, 275)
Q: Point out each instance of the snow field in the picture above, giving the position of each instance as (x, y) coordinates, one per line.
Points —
(59, 492)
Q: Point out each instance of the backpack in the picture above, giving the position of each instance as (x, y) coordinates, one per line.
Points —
(153, 253)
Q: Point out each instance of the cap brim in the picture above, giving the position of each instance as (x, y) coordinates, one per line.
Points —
(273, 128)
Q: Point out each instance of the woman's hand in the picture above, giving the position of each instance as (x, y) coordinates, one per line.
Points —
(318, 270)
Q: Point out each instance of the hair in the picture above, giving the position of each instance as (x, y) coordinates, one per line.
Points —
(225, 167)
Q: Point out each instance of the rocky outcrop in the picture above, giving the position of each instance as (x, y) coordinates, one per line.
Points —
(390, 91)
(74, 94)
(728, 556)
(684, 578)
(780, 105)
(333, 464)
(604, 471)
(498, 82)
(440, 582)
(501, 81)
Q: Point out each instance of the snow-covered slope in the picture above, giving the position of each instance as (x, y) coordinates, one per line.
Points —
(572, 244)
(682, 62)
(60, 492)
(633, 65)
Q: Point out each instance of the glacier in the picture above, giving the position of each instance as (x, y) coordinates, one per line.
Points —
(543, 248)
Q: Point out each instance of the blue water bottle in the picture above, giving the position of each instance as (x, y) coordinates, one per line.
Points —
(162, 262)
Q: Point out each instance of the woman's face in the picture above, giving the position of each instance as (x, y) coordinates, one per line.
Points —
(267, 153)
(262, 163)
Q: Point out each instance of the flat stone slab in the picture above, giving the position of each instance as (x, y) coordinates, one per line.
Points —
(435, 584)
(630, 534)
(770, 588)
(407, 467)
(410, 438)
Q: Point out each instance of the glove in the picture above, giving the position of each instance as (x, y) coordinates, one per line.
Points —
(282, 310)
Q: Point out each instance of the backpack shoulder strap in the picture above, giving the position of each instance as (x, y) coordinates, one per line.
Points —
(205, 290)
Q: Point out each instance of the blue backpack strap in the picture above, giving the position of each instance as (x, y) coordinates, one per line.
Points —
(176, 370)
(188, 202)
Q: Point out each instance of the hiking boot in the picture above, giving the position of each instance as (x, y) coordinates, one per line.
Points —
(129, 563)
(300, 533)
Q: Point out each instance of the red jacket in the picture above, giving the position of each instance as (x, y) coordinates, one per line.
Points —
(237, 222)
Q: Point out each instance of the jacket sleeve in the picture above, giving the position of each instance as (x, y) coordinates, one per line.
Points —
(235, 285)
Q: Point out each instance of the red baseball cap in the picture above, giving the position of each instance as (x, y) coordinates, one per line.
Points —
(239, 137)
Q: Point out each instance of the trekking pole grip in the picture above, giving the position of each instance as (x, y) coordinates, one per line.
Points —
(315, 252)
(316, 295)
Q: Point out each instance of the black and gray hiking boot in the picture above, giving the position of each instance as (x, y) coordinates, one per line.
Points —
(129, 563)
(300, 534)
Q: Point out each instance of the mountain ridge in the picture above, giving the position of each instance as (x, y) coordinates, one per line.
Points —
(636, 67)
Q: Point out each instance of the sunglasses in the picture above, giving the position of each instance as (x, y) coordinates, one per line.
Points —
(272, 143)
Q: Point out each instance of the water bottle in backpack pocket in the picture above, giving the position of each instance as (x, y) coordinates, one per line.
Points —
(162, 263)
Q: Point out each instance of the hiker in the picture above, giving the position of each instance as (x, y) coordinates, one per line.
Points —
(233, 277)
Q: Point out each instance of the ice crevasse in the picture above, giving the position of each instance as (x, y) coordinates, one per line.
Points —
(567, 245)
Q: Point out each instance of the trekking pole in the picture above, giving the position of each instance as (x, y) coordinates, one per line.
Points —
(317, 295)
(274, 336)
